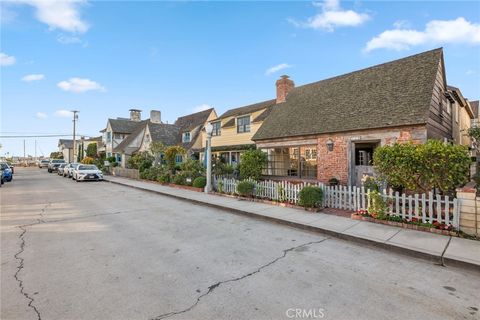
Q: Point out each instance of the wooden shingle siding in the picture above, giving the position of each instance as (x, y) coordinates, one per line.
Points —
(439, 123)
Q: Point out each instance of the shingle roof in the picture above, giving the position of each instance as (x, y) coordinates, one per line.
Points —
(189, 122)
(474, 105)
(165, 133)
(123, 125)
(248, 109)
(162, 132)
(262, 116)
(391, 94)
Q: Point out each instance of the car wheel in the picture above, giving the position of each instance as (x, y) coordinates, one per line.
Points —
(9, 180)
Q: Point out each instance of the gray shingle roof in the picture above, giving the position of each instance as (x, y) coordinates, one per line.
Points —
(67, 143)
(247, 109)
(123, 125)
(189, 122)
(391, 94)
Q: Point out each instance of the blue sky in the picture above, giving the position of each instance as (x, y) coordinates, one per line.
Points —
(106, 57)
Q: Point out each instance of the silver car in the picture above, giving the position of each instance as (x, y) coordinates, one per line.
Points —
(68, 170)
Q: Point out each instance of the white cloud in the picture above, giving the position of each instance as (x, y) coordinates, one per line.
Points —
(64, 39)
(202, 107)
(41, 115)
(470, 72)
(277, 68)
(332, 16)
(438, 32)
(6, 60)
(33, 77)
(79, 85)
(64, 15)
(63, 114)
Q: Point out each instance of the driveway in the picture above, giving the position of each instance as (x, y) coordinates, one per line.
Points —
(102, 251)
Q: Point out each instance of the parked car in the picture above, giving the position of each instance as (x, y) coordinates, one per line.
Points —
(54, 164)
(61, 168)
(2, 180)
(43, 163)
(7, 172)
(68, 170)
(12, 166)
(84, 172)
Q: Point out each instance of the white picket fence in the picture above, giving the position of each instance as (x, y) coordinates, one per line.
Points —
(424, 207)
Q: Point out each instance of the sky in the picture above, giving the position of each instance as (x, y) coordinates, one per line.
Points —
(106, 57)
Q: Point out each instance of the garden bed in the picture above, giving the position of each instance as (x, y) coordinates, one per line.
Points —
(414, 224)
(267, 201)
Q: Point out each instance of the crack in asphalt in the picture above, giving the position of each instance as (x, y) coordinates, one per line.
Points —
(22, 260)
(218, 284)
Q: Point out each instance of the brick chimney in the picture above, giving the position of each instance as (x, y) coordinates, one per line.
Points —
(284, 85)
(155, 116)
(135, 114)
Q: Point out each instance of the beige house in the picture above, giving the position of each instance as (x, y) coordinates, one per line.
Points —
(233, 131)
(462, 115)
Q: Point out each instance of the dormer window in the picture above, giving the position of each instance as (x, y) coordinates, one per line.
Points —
(216, 128)
(186, 137)
(243, 124)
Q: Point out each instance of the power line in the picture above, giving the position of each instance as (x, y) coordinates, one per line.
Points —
(43, 136)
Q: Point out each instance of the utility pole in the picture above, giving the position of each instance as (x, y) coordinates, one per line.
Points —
(75, 118)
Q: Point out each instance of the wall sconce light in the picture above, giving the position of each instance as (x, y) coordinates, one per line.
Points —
(329, 145)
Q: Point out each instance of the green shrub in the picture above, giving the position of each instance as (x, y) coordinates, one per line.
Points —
(245, 188)
(311, 197)
(200, 182)
(164, 178)
(370, 183)
(140, 160)
(252, 164)
(377, 207)
(192, 169)
(220, 168)
(423, 167)
(179, 179)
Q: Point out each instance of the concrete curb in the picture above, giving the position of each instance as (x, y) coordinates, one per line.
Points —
(439, 260)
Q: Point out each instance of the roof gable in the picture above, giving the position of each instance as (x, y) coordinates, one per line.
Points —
(191, 121)
(391, 94)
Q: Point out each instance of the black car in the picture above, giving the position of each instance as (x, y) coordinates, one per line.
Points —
(54, 164)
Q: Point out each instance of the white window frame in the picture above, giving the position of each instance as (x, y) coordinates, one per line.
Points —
(245, 127)
(186, 137)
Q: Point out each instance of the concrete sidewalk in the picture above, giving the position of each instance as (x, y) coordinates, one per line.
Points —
(442, 249)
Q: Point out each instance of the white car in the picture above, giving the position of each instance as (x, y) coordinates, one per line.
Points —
(84, 172)
(68, 170)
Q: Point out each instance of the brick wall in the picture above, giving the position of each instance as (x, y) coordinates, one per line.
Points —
(335, 163)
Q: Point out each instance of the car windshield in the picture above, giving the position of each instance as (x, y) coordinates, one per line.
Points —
(62, 165)
(4, 166)
(58, 161)
(87, 168)
(45, 161)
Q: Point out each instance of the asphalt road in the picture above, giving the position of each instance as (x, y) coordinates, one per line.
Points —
(102, 251)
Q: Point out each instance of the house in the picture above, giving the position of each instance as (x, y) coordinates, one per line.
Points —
(184, 132)
(233, 131)
(116, 131)
(463, 115)
(149, 130)
(330, 128)
(190, 128)
(65, 146)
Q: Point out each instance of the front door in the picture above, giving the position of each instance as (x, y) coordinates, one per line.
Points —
(363, 161)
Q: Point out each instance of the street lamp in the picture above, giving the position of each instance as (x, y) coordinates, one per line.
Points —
(208, 154)
(75, 119)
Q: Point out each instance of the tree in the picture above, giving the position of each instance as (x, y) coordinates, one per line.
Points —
(170, 155)
(56, 155)
(423, 167)
(88, 160)
(92, 150)
(252, 164)
(156, 148)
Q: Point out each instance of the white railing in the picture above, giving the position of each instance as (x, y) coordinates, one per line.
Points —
(426, 208)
